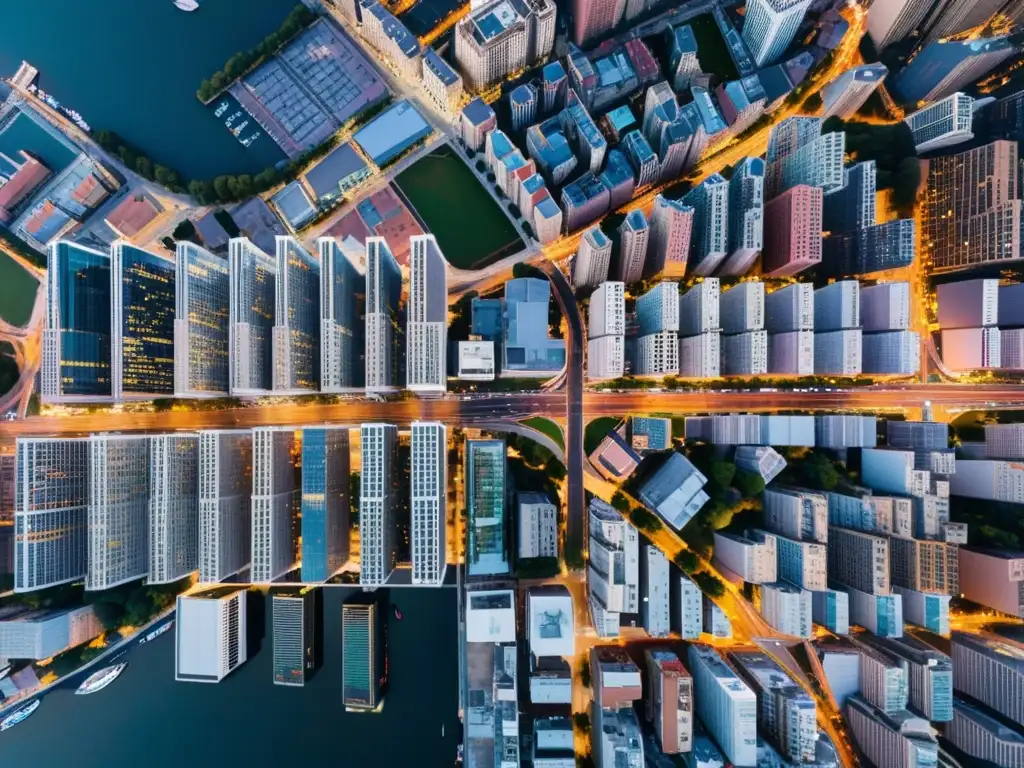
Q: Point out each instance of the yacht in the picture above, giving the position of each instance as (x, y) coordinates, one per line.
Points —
(100, 680)
(22, 714)
(239, 128)
(221, 109)
(156, 632)
(250, 140)
(232, 119)
(186, 5)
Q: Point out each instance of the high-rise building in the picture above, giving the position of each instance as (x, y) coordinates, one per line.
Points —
(441, 81)
(142, 305)
(687, 606)
(978, 734)
(837, 306)
(669, 701)
(486, 497)
(798, 153)
(633, 237)
(657, 354)
(746, 216)
(831, 609)
(295, 651)
(118, 525)
(700, 356)
(899, 739)
(538, 525)
(891, 21)
(378, 445)
(1002, 118)
(613, 567)
(924, 566)
(605, 358)
(429, 501)
(296, 335)
(342, 310)
(741, 308)
(554, 87)
(592, 18)
(590, 266)
(427, 332)
(683, 62)
(859, 560)
(745, 354)
(839, 353)
(383, 289)
(885, 307)
(225, 509)
(791, 353)
(671, 227)
(522, 102)
(173, 507)
(40, 633)
(497, 39)
(699, 308)
(845, 95)
(1004, 441)
(785, 712)
(802, 563)
(606, 315)
(794, 240)
(709, 243)
(50, 512)
(790, 308)
(993, 578)
(325, 501)
(769, 26)
(658, 309)
(76, 330)
(754, 557)
(762, 460)
(276, 500)
(251, 315)
(943, 123)
(641, 157)
(654, 574)
(947, 66)
(851, 207)
(796, 513)
(725, 704)
(990, 669)
(203, 289)
(895, 352)
(210, 635)
(787, 607)
(929, 673)
(363, 643)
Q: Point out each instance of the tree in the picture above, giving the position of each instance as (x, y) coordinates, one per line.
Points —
(555, 469)
(581, 720)
(480, 167)
(585, 672)
(244, 186)
(749, 483)
(687, 561)
(818, 472)
(221, 188)
(620, 502)
(722, 473)
(184, 231)
(671, 382)
(709, 584)
(200, 190)
(144, 167)
(109, 613)
(138, 608)
(644, 520)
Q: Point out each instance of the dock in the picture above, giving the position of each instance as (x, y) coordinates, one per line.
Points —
(25, 76)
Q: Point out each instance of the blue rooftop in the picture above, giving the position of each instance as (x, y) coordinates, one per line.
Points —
(752, 85)
(613, 69)
(683, 40)
(737, 95)
(392, 132)
(395, 30)
(478, 112)
(585, 124)
(513, 160)
(776, 82)
(548, 144)
(599, 239)
(621, 118)
(638, 146)
(553, 72)
(486, 318)
(527, 346)
(585, 188)
(441, 68)
(500, 144)
(548, 208)
(294, 204)
(522, 95)
(533, 184)
(709, 114)
(636, 221)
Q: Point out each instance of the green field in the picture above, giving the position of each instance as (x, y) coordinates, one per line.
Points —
(17, 291)
(596, 430)
(548, 427)
(712, 50)
(468, 224)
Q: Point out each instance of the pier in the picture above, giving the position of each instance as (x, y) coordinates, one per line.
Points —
(25, 76)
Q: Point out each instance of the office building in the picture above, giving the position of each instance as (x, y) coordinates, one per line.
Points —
(363, 645)
(797, 514)
(619, 741)
(892, 21)
(537, 525)
(845, 95)
(383, 288)
(944, 67)
(687, 606)
(549, 626)
(41, 633)
(750, 429)
(605, 358)
(893, 353)
(173, 508)
(486, 499)
(296, 334)
(501, 37)
(802, 563)
(929, 672)
(1004, 441)
(790, 308)
(476, 120)
(700, 356)
(50, 512)
(592, 18)
(899, 739)
(966, 349)
(769, 27)
(606, 314)
(613, 567)
(884, 674)
(943, 123)
(924, 566)
(550, 150)
(209, 635)
(590, 266)
(553, 743)
(716, 623)
(641, 157)
(745, 354)
(671, 227)
(699, 308)
(378, 446)
(658, 309)
(633, 237)
(669, 702)
(753, 557)
(202, 287)
(295, 651)
(1002, 118)
(881, 615)
(392, 39)
(225, 510)
(325, 502)
(885, 307)
(276, 498)
(709, 244)
(674, 491)
(725, 704)
(983, 737)
(971, 209)
(142, 306)
(831, 609)
(657, 354)
(993, 578)
(922, 435)
(441, 81)
(838, 353)
(76, 330)
(617, 178)
(837, 306)
(859, 560)
(554, 87)
(969, 303)
(990, 669)
(798, 153)
(427, 330)
(851, 207)
(787, 608)
(794, 240)
(786, 713)
(251, 313)
(742, 307)
(683, 63)
(342, 315)
(746, 216)
(791, 353)
(429, 501)
(654, 575)
(527, 350)
(522, 102)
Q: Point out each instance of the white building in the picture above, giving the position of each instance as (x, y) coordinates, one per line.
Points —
(885, 307)
(745, 354)
(613, 568)
(787, 608)
(658, 309)
(881, 615)
(837, 306)
(549, 621)
(762, 460)
(209, 636)
(700, 357)
(687, 607)
(606, 315)
(741, 308)
(831, 609)
(476, 360)
(725, 704)
(754, 557)
(428, 503)
(790, 309)
(675, 490)
(968, 349)
(383, 288)
(634, 234)
(769, 27)
(699, 308)
(655, 602)
(900, 740)
(441, 81)
(943, 123)
(845, 95)
(538, 526)
(503, 36)
(253, 276)
(377, 445)
(225, 503)
(605, 358)
(792, 353)
(838, 353)
(275, 503)
(427, 311)
(796, 513)
(988, 479)
(590, 266)
(40, 633)
(657, 354)
(968, 304)
(895, 352)
(173, 507)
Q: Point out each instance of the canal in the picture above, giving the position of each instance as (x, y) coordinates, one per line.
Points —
(133, 67)
(146, 718)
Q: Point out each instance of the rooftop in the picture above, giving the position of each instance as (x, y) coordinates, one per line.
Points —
(522, 95)
(638, 146)
(553, 72)
(621, 118)
(552, 632)
(439, 67)
(490, 20)
(490, 616)
(683, 40)
(616, 170)
(635, 220)
(585, 188)
(394, 29)
(338, 165)
(395, 128)
(294, 204)
(585, 125)
(133, 214)
(478, 112)
(709, 114)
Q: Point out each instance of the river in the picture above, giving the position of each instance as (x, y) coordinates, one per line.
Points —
(145, 718)
(133, 67)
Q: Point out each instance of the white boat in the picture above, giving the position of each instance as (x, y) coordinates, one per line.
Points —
(232, 119)
(251, 139)
(100, 680)
(22, 714)
(240, 127)
(156, 632)
(186, 5)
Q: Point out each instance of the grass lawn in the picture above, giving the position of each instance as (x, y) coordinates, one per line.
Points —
(596, 430)
(548, 427)
(469, 226)
(17, 291)
(712, 50)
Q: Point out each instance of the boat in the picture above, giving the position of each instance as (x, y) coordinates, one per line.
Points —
(398, 613)
(239, 128)
(100, 680)
(22, 714)
(250, 140)
(156, 632)
(442, 730)
(221, 109)
(232, 119)
(186, 5)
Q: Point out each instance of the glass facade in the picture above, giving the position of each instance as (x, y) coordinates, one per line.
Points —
(78, 310)
(377, 443)
(364, 670)
(383, 290)
(485, 494)
(342, 307)
(173, 507)
(325, 502)
(294, 637)
(253, 300)
(144, 306)
(201, 321)
(297, 329)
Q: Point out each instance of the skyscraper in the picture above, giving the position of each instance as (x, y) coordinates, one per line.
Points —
(990, 669)
(613, 567)
(658, 309)
(486, 492)
(786, 713)
(295, 651)
(296, 334)
(592, 18)
(363, 647)
(427, 331)
(342, 310)
(798, 153)
(683, 62)
(203, 289)
(794, 239)
(429, 501)
(173, 506)
(725, 704)
(669, 246)
(893, 20)
(851, 207)
(709, 243)
(142, 304)
(76, 332)
(496, 40)
(251, 316)
(276, 498)
(746, 216)
(769, 26)
(859, 560)
(947, 66)
(383, 289)
(900, 739)
(325, 501)
(641, 157)
(590, 267)
(848, 92)
(209, 635)
(225, 511)
(633, 237)
(378, 444)
(118, 530)
(50, 512)
(942, 124)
